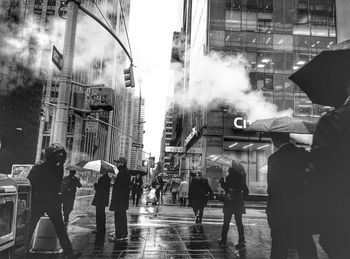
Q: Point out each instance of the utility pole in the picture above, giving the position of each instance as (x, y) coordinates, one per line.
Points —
(61, 119)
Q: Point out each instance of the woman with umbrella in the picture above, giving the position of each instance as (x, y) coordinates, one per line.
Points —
(235, 189)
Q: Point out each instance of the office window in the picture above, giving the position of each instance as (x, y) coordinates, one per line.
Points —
(249, 20)
(233, 4)
(233, 20)
(216, 38)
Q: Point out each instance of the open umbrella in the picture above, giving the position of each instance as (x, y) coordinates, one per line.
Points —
(138, 170)
(283, 124)
(325, 78)
(98, 166)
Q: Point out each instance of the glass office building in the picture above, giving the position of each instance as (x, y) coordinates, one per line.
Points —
(276, 37)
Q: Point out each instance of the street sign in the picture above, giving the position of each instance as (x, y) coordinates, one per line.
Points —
(91, 127)
(137, 145)
(57, 58)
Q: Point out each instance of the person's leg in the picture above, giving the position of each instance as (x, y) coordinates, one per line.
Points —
(185, 199)
(138, 196)
(200, 214)
(240, 228)
(121, 227)
(55, 214)
(225, 226)
(100, 219)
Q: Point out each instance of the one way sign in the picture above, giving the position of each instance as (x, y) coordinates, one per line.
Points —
(137, 145)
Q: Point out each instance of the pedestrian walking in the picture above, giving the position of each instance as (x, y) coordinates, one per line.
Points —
(70, 184)
(174, 188)
(236, 189)
(46, 179)
(330, 180)
(286, 177)
(136, 189)
(199, 192)
(183, 192)
(120, 201)
(101, 200)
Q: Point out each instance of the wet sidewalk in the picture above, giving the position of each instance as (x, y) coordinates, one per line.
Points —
(166, 232)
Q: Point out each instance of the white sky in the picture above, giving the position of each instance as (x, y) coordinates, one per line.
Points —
(151, 27)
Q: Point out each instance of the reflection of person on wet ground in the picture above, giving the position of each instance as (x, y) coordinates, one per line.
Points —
(330, 165)
(136, 189)
(198, 193)
(46, 179)
(70, 184)
(285, 210)
(236, 189)
(120, 201)
(101, 201)
(183, 192)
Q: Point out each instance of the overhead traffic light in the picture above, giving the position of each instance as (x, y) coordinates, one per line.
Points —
(129, 77)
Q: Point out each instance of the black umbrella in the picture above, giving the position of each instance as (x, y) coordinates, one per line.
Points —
(138, 170)
(325, 78)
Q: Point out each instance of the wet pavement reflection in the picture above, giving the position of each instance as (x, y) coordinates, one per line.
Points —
(166, 232)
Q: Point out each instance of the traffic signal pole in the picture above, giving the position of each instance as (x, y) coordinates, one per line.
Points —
(61, 117)
(61, 120)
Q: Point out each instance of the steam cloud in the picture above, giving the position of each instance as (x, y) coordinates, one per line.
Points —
(218, 79)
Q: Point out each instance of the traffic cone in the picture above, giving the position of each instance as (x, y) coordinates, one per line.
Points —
(45, 239)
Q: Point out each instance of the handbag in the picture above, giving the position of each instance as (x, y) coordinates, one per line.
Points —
(225, 196)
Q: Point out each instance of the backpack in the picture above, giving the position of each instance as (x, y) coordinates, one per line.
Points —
(67, 185)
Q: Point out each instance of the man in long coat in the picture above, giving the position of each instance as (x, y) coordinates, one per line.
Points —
(330, 169)
(286, 177)
(101, 200)
(120, 201)
(46, 179)
(70, 184)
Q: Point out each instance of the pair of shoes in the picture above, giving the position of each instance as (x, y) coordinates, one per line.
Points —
(117, 239)
(72, 255)
(240, 246)
(222, 243)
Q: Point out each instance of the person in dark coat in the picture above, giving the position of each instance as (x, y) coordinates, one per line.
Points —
(198, 194)
(136, 189)
(120, 201)
(330, 165)
(70, 184)
(46, 179)
(286, 177)
(101, 200)
(236, 189)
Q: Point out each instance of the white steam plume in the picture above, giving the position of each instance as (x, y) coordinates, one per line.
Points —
(217, 78)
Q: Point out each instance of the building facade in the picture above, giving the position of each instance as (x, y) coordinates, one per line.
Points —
(98, 136)
(276, 37)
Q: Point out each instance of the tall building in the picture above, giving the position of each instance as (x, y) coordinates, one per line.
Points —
(166, 158)
(20, 94)
(87, 138)
(137, 124)
(276, 37)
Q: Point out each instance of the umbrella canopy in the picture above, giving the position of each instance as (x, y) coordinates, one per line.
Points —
(98, 165)
(224, 160)
(138, 170)
(283, 124)
(325, 78)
